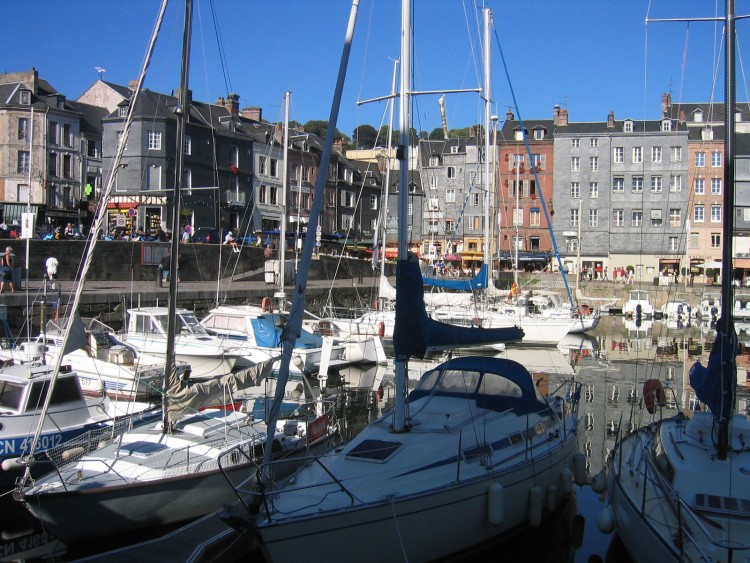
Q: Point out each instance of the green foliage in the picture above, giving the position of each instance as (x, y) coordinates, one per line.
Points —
(365, 137)
(320, 128)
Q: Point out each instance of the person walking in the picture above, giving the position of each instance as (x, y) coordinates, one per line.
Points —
(7, 270)
(50, 265)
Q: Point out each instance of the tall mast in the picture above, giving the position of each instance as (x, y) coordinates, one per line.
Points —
(387, 187)
(181, 111)
(487, 102)
(284, 181)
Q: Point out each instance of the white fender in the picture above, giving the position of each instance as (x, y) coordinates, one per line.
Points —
(599, 482)
(605, 521)
(551, 498)
(579, 468)
(12, 464)
(495, 504)
(535, 506)
(566, 481)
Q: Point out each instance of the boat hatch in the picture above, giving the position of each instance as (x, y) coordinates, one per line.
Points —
(722, 505)
(373, 450)
(476, 452)
(142, 448)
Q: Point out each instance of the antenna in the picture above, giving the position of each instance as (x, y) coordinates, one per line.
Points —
(100, 70)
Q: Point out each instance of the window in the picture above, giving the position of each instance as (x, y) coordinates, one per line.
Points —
(656, 218)
(675, 183)
(154, 177)
(347, 221)
(699, 186)
(593, 143)
(22, 193)
(25, 97)
(52, 136)
(715, 159)
(575, 143)
(433, 204)
(636, 217)
(24, 161)
(263, 165)
(575, 163)
(450, 226)
(347, 199)
(518, 217)
(476, 224)
(698, 214)
(52, 164)
(675, 154)
(637, 155)
(305, 201)
(666, 125)
(715, 240)
(432, 226)
(67, 166)
(67, 135)
(574, 217)
(274, 195)
(188, 147)
(474, 178)
(122, 111)
(637, 184)
(593, 217)
(262, 194)
(656, 155)
(434, 161)
(273, 169)
(627, 126)
(454, 149)
(716, 213)
(656, 184)
(305, 173)
(715, 186)
(674, 244)
(535, 218)
(618, 184)
(675, 219)
(373, 201)
(154, 140)
(594, 163)
(188, 180)
(618, 217)
(593, 190)
(433, 182)
(119, 140)
(700, 159)
(538, 134)
(23, 128)
(450, 196)
(410, 209)
(575, 190)
(451, 172)
(618, 155)
(475, 200)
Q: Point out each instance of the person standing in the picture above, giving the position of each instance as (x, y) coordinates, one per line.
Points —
(50, 266)
(7, 270)
(186, 234)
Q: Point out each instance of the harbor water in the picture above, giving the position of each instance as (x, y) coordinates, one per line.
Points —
(611, 362)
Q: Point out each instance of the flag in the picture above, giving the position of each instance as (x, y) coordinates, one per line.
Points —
(514, 290)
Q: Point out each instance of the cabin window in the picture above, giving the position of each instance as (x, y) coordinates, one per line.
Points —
(66, 390)
(10, 395)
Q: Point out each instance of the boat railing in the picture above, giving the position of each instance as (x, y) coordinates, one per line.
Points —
(690, 523)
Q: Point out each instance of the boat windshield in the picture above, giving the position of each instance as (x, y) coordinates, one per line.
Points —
(11, 395)
(188, 324)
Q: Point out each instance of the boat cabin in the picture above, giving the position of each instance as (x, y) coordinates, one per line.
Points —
(24, 388)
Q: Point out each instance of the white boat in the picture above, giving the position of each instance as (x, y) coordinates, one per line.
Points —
(638, 304)
(207, 354)
(678, 486)
(677, 309)
(741, 309)
(256, 335)
(102, 359)
(709, 306)
(23, 390)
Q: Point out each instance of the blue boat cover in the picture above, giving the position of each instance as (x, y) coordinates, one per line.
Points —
(478, 282)
(267, 334)
(414, 332)
(715, 384)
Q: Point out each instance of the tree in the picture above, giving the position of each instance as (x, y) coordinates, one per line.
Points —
(365, 137)
(319, 127)
(436, 134)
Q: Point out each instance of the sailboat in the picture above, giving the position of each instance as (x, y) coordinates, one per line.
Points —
(678, 487)
(468, 455)
(176, 469)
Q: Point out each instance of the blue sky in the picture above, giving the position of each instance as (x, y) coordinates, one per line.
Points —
(589, 56)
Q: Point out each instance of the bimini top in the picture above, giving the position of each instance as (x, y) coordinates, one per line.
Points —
(495, 383)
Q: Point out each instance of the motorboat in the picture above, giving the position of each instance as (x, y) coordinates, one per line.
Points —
(709, 306)
(638, 304)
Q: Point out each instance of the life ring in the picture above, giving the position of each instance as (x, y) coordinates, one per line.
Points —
(381, 329)
(653, 395)
(266, 304)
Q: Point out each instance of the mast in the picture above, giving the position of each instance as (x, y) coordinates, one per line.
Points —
(727, 324)
(284, 181)
(399, 414)
(181, 111)
(487, 101)
(387, 186)
(517, 160)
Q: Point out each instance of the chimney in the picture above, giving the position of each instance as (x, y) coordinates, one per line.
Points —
(132, 85)
(338, 146)
(252, 113)
(611, 120)
(559, 116)
(509, 115)
(233, 103)
(220, 102)
(666, 105)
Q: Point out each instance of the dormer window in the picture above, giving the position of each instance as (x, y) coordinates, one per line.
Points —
(518, 135)
(122, 111)
(666, 125)
(627, 126)
(454, 150)
(24, 97)
(707, 134)
(538, 134)
(698, 116)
